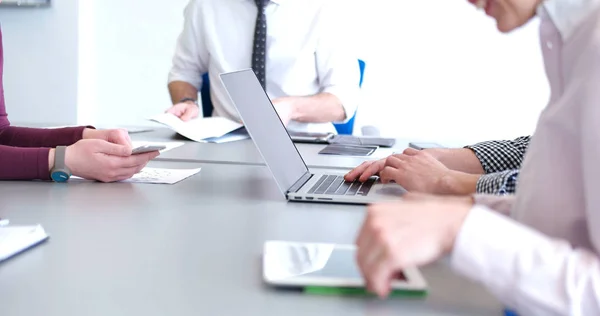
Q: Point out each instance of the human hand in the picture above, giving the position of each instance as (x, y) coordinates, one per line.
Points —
(400, 235)
(115, 136)
(185, 111)
(366, 170)
(401, 168)
(101, 160)
(415, 171)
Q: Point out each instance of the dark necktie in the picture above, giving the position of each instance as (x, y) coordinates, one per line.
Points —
(259, 50)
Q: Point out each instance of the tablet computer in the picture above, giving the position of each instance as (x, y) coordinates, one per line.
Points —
(319, 266)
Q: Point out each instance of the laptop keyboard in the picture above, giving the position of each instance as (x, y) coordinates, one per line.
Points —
(336, 185)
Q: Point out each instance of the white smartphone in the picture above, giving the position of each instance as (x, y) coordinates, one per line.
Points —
(421, 146)
(290, 264)
(147, 148)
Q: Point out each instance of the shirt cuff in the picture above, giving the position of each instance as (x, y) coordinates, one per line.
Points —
(348, 100)
(499, 183)
(193, 78)
(487, 247)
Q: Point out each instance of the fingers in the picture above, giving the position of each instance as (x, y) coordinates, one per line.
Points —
(120, 137)
(177, 109)
(391, 174)
(190, 112)
(112, 149)
(373, 252)
(411, 151)
(372, 170)
(379, 276)
(354, 173)
(136, 160)
(123, 168)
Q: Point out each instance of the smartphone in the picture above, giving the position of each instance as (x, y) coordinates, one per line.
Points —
(146, 149)
(315, 138)
(421, 146)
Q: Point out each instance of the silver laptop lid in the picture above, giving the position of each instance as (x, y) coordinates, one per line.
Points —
(265, 127)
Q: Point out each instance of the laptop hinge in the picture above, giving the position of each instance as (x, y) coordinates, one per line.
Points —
(301, 182)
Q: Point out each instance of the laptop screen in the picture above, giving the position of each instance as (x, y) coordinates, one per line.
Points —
(264, 126)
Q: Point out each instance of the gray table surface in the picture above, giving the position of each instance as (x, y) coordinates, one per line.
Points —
(245, 152)
(192, 248)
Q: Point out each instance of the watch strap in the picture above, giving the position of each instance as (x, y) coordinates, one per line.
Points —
(188, 100)
(59, 157)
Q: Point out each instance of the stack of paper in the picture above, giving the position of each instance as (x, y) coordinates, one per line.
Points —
(16, 239)
(204, 130)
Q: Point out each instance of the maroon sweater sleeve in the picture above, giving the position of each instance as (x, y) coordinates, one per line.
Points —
(40, 137)
(18, 163)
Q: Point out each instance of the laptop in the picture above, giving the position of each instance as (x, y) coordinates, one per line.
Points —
(280, 154)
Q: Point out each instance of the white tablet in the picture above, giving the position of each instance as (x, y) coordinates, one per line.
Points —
(323, 265)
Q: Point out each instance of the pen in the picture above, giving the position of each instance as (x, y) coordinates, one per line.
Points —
(4, 222)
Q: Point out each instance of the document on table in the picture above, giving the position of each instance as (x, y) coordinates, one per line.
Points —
(169, 145)
(204, 130)
(16, 239)
(157, 176)
(130, 130)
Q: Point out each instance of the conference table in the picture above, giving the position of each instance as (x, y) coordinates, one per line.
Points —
(244, 151)
(192, 248)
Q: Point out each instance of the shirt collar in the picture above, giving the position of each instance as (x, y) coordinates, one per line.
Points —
(567, 15)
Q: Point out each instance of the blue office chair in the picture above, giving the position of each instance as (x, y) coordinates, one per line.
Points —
(348, 127)
(207, 107)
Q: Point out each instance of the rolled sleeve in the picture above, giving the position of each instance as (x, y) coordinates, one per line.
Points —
(501, 155)
(499, 183)
(337, 62)
(190, 60)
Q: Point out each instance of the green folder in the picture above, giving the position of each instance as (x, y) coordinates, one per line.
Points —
(353, 291)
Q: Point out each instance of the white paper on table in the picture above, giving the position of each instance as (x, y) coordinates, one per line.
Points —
(130, 130)
(169, 145)
(198, 129)
(157, 176)
(16, 239)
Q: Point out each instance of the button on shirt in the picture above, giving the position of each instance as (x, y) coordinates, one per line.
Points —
(544, 261)
(307, 51)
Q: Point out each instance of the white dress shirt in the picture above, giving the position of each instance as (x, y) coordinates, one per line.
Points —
(544, 260)
(308, 51)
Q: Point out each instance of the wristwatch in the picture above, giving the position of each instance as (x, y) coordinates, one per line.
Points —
(60, 172)
(189, 99)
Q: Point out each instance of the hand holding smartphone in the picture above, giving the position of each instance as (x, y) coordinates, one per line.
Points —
(146, 149)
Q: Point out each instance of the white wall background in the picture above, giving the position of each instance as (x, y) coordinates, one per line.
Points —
(439, 70)
(40, 62)
(128, 56)
(436, 70)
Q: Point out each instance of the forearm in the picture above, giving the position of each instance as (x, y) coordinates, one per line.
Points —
(459, 183)
(24, 163)
(458, 159)
(319, 108)
(180, 90)
(40, 137)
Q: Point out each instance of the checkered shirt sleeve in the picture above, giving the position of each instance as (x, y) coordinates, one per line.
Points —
(501, 161)
(501, 155)
(498, 183)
